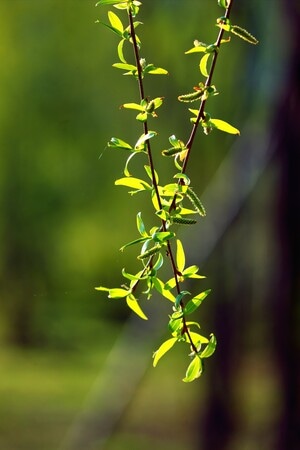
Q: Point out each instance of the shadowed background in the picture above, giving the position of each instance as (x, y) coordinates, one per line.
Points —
(75, 368)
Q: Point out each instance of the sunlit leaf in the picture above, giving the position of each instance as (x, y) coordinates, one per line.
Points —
(119, 143)
(203, 64)
(125, 66)
(132, 182)
(109, 2)
(118, 293)
(149, 173)
(198, 338)
(135, 106)
(135, 307)
(120, 51)
(194, 370)
(115, 21)
(140, 225)
(210, 348)
(195, 302)
(163, 236)
(224, 126)
(160, 287)
(136, 241)
(179, 297)
(180, 256)
(163, 349)
(145, 137)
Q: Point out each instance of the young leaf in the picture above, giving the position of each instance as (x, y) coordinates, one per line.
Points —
(210, 348)
(179, 298)
(132, 182)
(109, 2)
(135, 307)
(125, 66)
(118, 143)
(195, 302)
(136, 241)
(203, 64)
(120, 51)
(115, 22)
(197, 339)
(162, 350)
(140, 225)
(135, 106)
(194, 370)
(180, 256)
(223, 126)
(162, 236)
(160, 287)
(145, 137)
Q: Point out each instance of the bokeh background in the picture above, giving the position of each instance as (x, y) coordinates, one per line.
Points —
(75, 368)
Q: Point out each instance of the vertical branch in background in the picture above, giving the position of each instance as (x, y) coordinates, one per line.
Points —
(168, 201)
(285, 292)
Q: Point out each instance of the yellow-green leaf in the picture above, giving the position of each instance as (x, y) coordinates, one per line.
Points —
(180, 256)
(194, 370)
(134, 305)
(163, 349)
(203, 64)
(224, 126)
(135, 183)
(115, 21)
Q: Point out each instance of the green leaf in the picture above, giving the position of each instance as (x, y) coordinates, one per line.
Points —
(210, 348)
(160, 287)
(224, 3)
(203, 64)
(158, 263)
(198, 48)
(140, 225)
(145, 137)
(179, 298)
(163, 236)
(136, 241)
(118, 293)
(118, 143)
(120, 51)
(126, 170)
(125, 66)
(131, 277)
(191, 272)
(155, 70)
(135, 307)
(180, 256)
(149, 173)
(115, 21)
(135, 106)
(109, 2)
(195, 302)
(194, 370)
(197, 339)
(142, 116)
(135, 183)
(162, 350)
(224, 126)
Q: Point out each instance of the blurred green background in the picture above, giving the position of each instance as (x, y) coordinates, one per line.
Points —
(75, 368)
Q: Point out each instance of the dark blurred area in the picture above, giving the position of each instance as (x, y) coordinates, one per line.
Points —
(75, 368)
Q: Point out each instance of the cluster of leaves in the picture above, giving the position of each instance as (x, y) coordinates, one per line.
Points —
(175, 202)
